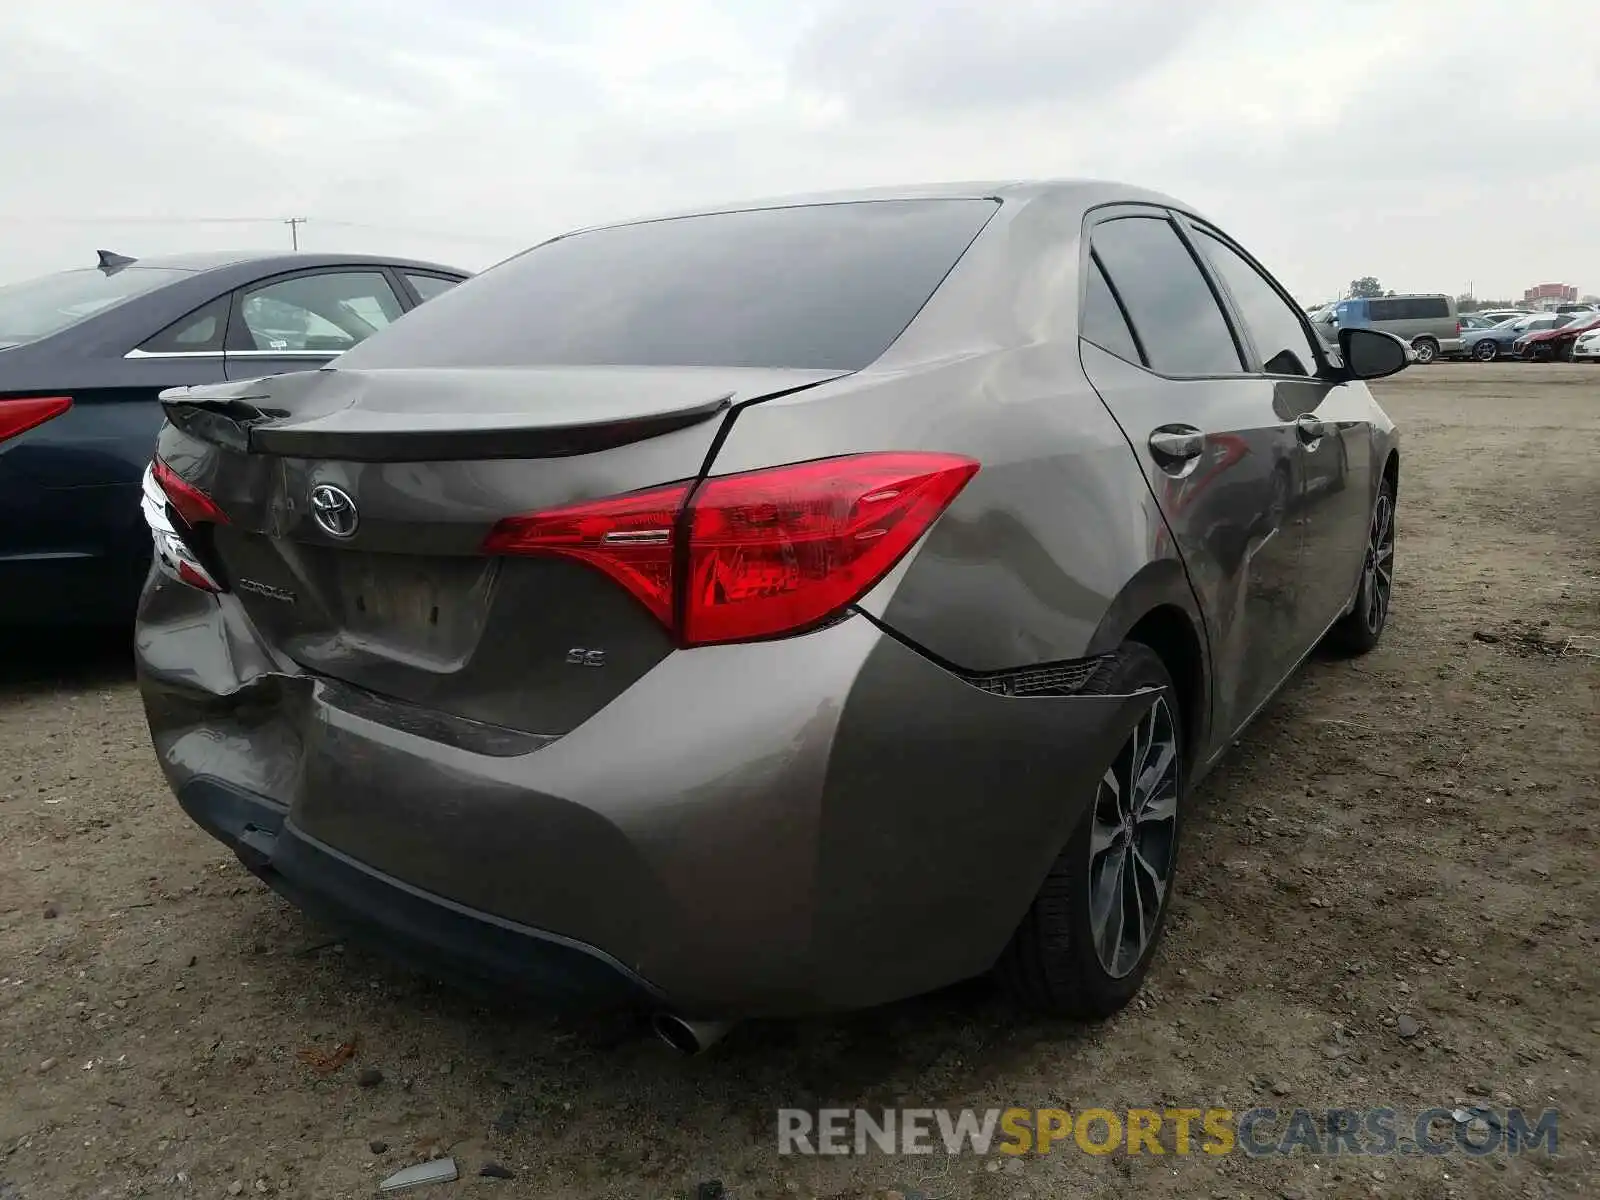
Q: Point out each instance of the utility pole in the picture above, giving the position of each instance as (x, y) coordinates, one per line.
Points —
(294, 224)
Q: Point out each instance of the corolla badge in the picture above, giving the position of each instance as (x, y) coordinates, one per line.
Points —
(265, 589)
(333, 510)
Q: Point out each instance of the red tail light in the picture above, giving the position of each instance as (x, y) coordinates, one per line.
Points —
(628, 537)
(19, 416)
(164, 493)
(193, 505)
(754, 555)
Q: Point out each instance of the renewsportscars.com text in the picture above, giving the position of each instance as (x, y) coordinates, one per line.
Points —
(1256, 1132)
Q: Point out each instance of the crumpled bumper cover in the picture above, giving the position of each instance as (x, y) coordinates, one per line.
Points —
(824, 822)
(431, 933)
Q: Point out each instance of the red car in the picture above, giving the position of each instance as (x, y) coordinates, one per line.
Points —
(1548, 344)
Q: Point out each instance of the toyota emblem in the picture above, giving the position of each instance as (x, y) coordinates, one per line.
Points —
(333, 510)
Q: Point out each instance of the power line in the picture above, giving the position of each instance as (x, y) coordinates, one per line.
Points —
(293, 222)
(116, 220)
(495, 239)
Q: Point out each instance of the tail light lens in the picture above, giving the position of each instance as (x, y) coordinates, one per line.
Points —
(193, 505)
(19, 416)
(165, 493)
(756, 555)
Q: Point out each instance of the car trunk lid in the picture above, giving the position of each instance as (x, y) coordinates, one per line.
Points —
(358, 504)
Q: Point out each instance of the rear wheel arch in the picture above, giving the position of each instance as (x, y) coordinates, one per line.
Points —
(1391, 470)
(1156, 608)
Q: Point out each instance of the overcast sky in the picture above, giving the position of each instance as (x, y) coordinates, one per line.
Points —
(1432, 144)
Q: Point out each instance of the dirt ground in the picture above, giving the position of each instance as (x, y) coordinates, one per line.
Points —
(1415, 835)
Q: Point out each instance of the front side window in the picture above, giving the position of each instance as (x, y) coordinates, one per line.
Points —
(325, 313)
(1168, 300)
(1273, 323)
(37, 308)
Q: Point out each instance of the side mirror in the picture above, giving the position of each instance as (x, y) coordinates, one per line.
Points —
(1371, 354)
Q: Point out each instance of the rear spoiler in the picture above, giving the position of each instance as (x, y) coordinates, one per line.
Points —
(222, 415)
(221, 420)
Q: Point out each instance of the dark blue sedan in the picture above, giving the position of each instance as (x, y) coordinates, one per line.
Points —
(83, 356)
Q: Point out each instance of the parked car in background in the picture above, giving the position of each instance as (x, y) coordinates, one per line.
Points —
(1587, 346)
(1495, 315)
(684, 614)
(83, 357)
(1486, 345)
(1476, 321)
(1546, 345)
(1428, 322)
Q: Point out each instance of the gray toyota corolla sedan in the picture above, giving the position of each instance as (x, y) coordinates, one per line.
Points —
(772, 609)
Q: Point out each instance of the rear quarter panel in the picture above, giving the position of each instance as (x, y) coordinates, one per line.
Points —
(1036, 559)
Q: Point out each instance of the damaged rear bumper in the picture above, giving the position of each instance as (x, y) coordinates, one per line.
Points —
(430, 933)
(825, 822)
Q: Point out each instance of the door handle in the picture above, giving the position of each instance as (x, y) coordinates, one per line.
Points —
(1309, 430)
(1175, 444)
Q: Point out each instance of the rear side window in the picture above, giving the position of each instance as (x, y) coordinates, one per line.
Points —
(37, 308)
(1171, 305)
(1103, 322)
(1410, 308)
(201, 332)
(825, 286)
(429, 286)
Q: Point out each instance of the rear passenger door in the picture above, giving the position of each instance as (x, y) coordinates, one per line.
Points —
(303, 321)
(1217, 448)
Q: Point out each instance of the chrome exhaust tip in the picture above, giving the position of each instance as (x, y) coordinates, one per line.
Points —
(688, 1037)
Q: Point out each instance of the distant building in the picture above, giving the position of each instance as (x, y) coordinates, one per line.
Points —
(1548, 295)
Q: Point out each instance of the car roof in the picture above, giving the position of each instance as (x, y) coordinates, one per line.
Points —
(1087, 192)
(271, 261)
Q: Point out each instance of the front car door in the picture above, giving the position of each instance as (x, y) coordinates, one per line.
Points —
(1220, 453)
(1333, 490)
(303, 321)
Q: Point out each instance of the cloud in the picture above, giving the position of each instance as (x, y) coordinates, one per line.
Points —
(932, 57)
(1429, 143)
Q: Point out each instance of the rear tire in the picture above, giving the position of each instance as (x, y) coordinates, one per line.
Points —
(1057, 960)
(1427, 350)
(1360, 630)
(1485, 350)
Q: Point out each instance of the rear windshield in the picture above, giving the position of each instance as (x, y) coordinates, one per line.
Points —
(37, 308)
(826, 286)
